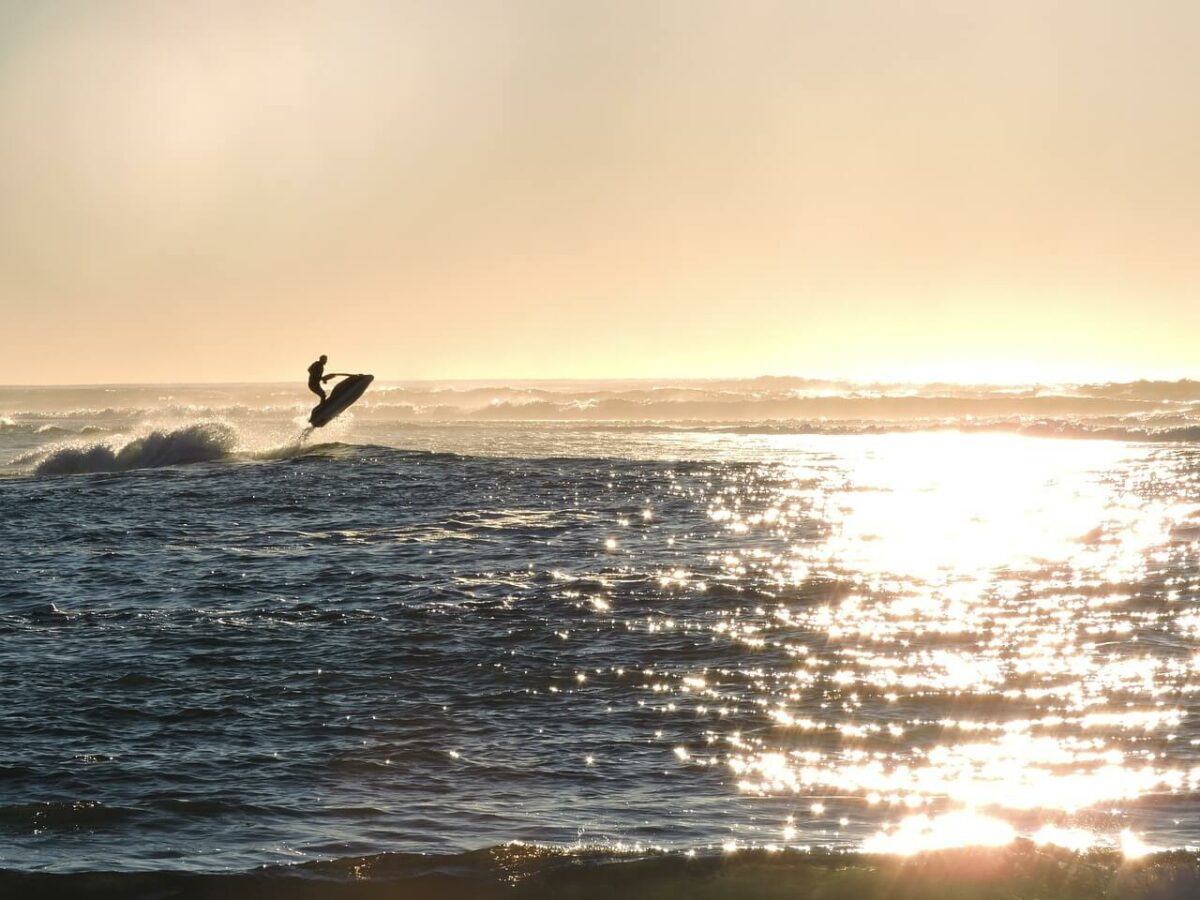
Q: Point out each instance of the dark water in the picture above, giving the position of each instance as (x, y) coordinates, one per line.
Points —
(664, 641)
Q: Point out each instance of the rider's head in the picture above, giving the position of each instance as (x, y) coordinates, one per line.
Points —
(324, 358)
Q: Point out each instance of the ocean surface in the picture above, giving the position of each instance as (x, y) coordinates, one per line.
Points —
(519, 626)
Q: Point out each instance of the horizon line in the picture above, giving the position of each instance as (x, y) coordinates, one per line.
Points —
(499, 380)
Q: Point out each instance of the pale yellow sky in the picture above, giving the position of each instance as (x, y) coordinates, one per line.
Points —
(955, 189)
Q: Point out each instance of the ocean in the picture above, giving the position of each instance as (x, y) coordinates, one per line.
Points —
(749, 638)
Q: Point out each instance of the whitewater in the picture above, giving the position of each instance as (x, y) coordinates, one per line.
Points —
(566, 638)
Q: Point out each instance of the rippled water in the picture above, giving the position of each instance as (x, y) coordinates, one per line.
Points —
(685, 639)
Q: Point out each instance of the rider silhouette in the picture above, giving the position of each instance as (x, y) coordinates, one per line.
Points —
(316, 373)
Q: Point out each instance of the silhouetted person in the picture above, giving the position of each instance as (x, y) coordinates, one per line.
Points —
(316, 374)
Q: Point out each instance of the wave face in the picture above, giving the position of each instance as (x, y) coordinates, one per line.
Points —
(204, 442)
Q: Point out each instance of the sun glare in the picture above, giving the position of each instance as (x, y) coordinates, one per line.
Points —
(1048, 710)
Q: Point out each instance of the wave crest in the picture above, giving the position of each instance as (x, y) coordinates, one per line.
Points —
(201, 442)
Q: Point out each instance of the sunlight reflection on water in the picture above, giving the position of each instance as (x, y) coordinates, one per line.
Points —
(990, 578)
(693, 641)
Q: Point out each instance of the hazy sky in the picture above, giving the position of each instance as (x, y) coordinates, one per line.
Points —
(962, 189)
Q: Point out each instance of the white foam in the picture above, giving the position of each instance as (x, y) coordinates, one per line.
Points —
(197, 442)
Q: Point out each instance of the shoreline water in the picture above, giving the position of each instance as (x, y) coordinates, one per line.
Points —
(1018, 871)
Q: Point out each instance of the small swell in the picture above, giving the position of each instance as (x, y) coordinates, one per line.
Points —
(204, 442)
(328, 450)
(79, 814)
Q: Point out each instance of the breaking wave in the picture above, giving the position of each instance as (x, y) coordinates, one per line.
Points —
(195, 442)
(203, 442)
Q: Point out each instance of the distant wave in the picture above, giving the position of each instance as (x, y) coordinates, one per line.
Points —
(1051, 428)
(48, 429)
(758, 409)
(1020, 870)
(51, 430)
(1189, 433)
(757, 400)
(653, 406)
(1184, 391)
(232, 411)
(204, 442)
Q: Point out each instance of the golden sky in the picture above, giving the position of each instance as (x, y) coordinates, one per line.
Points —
(220, 191)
